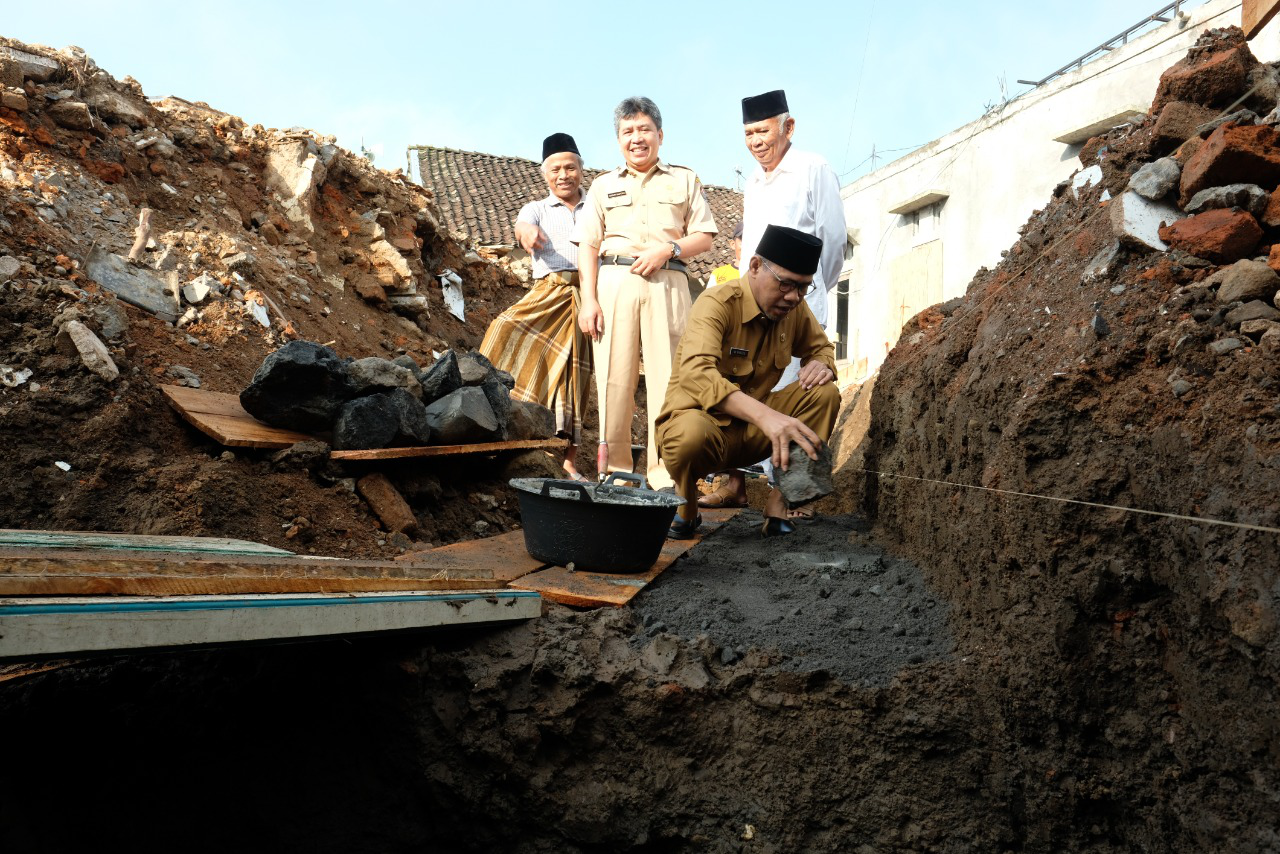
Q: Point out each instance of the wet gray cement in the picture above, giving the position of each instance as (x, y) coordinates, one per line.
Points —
(822, 599)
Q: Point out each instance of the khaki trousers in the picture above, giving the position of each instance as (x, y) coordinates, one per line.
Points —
(646, 315)
(694, 445)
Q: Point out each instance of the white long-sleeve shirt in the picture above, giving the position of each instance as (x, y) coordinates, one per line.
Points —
(802, 193)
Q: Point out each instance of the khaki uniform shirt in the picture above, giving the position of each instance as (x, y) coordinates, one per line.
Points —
(625, 211)
(730, 345)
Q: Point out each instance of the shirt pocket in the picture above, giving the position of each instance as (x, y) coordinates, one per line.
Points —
(735, 369)
(667, 210)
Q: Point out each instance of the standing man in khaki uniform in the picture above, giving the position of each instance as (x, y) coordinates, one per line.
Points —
(640, 222)
(720, 411)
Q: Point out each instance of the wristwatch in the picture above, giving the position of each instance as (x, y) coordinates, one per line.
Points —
(675, 249)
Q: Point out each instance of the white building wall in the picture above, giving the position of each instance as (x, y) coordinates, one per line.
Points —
(995, 172)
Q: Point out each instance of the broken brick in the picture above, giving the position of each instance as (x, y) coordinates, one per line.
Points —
(1222, 235)
(1177, 123)
(1271, 216)
(1233, 154)
(387, 503)
(1212, 76)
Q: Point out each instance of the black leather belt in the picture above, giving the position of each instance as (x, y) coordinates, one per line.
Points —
(623, 261)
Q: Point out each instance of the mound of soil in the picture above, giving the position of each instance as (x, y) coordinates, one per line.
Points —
(328, 263)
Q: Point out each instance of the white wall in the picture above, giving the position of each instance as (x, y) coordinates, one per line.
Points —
(996, 171)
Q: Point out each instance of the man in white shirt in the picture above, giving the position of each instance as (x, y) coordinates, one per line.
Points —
(792, 188)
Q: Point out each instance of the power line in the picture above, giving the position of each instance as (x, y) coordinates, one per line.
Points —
(857, 95)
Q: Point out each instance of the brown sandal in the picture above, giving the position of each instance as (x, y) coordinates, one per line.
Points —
(721, 498)
(802, 514)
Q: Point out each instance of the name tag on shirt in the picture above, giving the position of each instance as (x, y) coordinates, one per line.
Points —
(737, 351)
(618, 195)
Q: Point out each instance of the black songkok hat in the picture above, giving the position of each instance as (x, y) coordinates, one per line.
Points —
(558, 143)
(790, 249)
(757, 108)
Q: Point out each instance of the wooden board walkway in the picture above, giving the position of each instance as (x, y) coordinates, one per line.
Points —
(116, 572)
(505, 557)
(220, 416)
(17, 538)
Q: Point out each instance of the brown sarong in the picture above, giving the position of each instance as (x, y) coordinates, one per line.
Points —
(537, 341)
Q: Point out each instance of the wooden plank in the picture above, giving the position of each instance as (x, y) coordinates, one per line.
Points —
(221, 417)
(598, 589)
(29, 572)
(17, 538)
(169, 585)
(1256, 14)
(450, 450)
(504, 556)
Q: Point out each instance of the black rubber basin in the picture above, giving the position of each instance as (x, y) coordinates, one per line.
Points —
(596, 527)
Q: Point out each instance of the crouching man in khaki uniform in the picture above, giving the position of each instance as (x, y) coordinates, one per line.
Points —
(719, 411)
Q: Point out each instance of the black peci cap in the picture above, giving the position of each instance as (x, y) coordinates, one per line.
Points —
(790, 249)
(757, 108)
(558, 143)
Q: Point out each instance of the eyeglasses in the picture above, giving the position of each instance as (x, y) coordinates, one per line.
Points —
(787, 285)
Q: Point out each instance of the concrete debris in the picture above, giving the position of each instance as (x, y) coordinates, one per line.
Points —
(14, 100)
(184, 375)
(1225, 345)
(73, 115)
(74, 338)
(1248, 197)
(198, 290)
(1253, 310)
(255, 304)
(293, 174)
(33, 66)
(373, 374)
(1085, 178)
(451, 285)
(1156, 180)
(1255, 329)
(1136, 221)
(9, 267)
(135, 285)
(11, 377)
(119, 109)
(1244, 281)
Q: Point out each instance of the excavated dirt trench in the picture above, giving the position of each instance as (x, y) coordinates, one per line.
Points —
(950, 670)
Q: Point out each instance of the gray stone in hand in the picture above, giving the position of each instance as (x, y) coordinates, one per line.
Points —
(806, 480)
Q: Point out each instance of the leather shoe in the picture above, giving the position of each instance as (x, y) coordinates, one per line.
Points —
(682, 530)
(775, 527)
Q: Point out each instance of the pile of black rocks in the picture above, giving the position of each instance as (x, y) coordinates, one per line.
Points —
(380, 403)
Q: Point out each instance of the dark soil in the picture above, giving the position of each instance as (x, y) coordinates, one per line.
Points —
(968, 671)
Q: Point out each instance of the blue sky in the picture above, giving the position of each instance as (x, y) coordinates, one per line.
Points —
(499, 76)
